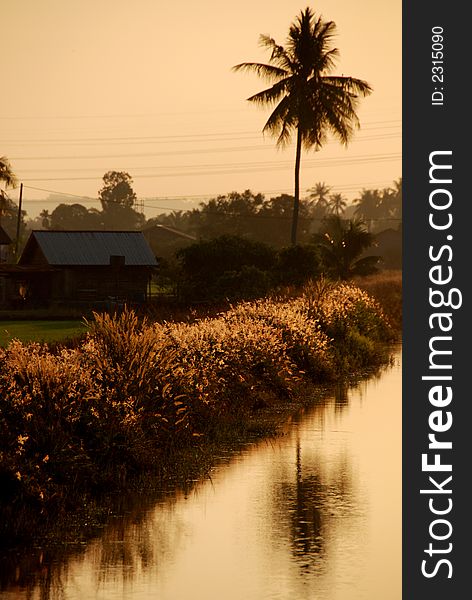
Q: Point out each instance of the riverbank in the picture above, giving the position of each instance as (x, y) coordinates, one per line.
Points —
(138, 399)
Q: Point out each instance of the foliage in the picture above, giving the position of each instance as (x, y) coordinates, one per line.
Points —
(74, 421)
(117, 190)
(9, 216)
(297, 264)
(225, 267)
(386, 288)
(7, 176)
(381, 207)
(73, 216)
(117, 198)
(352, 319)
(341, 244)
(245, 213)
(336, 204)
(309, 100)
(8, 208)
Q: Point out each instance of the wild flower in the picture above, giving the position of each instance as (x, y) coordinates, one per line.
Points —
(135, 390)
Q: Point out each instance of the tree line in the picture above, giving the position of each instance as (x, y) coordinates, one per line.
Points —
(307, 102)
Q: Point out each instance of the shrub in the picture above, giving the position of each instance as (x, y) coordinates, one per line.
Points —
(297, 264)
(133, 392)
(225, 267)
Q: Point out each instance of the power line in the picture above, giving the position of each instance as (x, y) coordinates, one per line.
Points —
(197, 137)
(161, 153)
(244, 168)
(59, 193)
(350, 187)
(200, 151)
(210, 111)
(276, 164)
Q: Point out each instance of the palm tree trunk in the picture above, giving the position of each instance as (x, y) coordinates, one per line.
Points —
(296, 202)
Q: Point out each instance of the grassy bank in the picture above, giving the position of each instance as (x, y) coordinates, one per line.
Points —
(386, 288)
(138, 397)
(39, 331)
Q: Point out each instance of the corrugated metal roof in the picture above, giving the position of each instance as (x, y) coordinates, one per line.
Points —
(94, 248)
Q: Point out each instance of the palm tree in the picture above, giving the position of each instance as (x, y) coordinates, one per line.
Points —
(337, 204)
(368, 205)
(341, 244)
(8, 178)
(320, 194)
(6, 173)
(309, 101)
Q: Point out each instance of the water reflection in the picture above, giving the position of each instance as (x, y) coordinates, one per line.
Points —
(301, 502)
(314, 514)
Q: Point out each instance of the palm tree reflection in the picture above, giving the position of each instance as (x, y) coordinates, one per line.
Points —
(311, 502)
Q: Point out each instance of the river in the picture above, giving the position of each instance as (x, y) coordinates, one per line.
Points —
(314, 514)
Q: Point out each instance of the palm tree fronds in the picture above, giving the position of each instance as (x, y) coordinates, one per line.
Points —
(310, 102)
(279, 56)
(281, 122)
(265, 71)
(349, 84)
(6, 173)
(269, 95)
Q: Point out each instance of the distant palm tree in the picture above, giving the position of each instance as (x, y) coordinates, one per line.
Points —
(8, 178)
(368, 205)
(320, 194)
(337, 204)
(6, 173)
(341, 244)
(308, 100)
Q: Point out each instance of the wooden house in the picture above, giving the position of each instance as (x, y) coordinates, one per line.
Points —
(5, 244)
(84, 266)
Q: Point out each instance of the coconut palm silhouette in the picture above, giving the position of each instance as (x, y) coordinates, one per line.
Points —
(309, 100)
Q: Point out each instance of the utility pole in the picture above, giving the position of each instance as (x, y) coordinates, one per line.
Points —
(18, 221)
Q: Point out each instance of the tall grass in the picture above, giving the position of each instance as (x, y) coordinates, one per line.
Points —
(386, 288)
(134, 392)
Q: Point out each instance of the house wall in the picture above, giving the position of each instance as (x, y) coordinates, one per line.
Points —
(35, 257)
(88, 284)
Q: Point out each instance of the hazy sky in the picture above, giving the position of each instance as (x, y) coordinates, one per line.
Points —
(147, 87)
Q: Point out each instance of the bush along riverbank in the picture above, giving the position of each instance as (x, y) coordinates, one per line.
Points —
(136, 397)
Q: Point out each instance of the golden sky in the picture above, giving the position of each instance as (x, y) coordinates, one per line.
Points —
(147, 87)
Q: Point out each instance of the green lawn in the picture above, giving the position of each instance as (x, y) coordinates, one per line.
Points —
(39, 331)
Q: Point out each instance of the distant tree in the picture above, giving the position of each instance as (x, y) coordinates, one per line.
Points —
(297, 264)
(73, 216)
(117, 198)
(7, 176)
(311, 102)
(177, 219)
(225, 267)
(392, 202)
(45, 219)
(231, 214)
(320, 194)
(380, 208)
(276, 217)
(368, 204)
(341, 244)
(7, 179)
(117, 191)
(336, 204)
(246, 214)
(9, 217)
